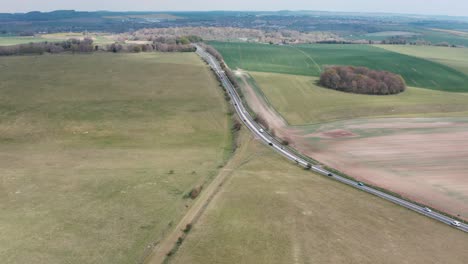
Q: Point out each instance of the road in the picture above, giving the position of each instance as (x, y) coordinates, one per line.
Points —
(278, 147)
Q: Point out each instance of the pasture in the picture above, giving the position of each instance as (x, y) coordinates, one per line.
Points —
(271, 211)
(300, 101)
(309, 60)
(97, 152)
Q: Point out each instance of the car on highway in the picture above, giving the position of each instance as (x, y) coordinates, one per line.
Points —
(360, 184)
(261, 130)
(427, 210)
(456, 223)
(329, 174)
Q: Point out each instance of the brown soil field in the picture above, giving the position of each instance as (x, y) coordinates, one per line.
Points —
(424, 160)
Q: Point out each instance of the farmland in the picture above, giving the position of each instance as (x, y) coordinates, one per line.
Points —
(405, 155)
(13, 40)
(452, 57)
(423, 159)
(309, 60)
(98, 151)
(271, 211)
(300, 101)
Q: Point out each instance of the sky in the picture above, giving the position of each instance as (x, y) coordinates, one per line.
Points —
(431, 7)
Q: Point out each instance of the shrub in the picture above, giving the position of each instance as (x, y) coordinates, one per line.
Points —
(195, 192)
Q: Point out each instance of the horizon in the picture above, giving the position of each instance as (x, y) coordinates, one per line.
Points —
(253, 11)
(454, 8)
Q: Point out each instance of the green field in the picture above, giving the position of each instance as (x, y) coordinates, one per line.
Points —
(456, 58)
(309, 60)
(98, 151)
(13, 40)
(300, 101)
(271, 211)
(412, 34)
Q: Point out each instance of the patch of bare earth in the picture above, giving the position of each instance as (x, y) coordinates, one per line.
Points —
(429, 166)
(260, 107)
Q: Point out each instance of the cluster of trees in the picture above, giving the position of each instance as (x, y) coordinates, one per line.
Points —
(137, 43)
(136, 48)
(72, 45)
(222, 33)
(362, 80)
(86, 46)
(421, 42)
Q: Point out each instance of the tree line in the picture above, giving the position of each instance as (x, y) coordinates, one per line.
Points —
(362, 80)
(87, 45)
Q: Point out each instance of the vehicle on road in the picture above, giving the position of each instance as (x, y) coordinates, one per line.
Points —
(261, 130)
(329, 174)
(269, 143)
(456, 223)
(427, 210)
(360, 184)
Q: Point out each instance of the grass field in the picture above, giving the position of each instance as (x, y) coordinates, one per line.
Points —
(300, 101)
(13, 40)
(271, 211)
(310, 60)
(456, 58)
(411, 34)
(97, 152)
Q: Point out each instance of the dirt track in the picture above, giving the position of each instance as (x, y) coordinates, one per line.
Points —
(159, 253)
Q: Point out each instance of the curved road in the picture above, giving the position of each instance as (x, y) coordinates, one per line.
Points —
(278, 147)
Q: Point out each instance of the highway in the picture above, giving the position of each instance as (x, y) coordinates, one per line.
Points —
(278, 147)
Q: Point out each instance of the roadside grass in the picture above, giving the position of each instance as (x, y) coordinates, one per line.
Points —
(271, 211)
(456, 58)
(300, 101)
(310, 59)
(97, 152)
